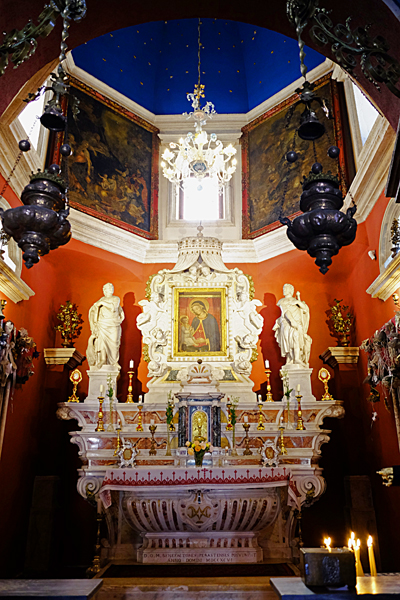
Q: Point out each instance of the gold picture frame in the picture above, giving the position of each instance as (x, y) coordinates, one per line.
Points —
(200, 322)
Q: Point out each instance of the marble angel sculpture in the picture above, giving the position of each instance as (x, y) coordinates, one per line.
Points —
(291, 328)
(105, 318)
(247, 324)
(153, 324)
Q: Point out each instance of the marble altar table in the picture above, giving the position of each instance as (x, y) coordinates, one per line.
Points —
(68, 589)
(202, 515)
(382, 587)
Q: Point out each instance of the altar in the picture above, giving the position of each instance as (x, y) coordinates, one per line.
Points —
(215, 513)
(200, 329)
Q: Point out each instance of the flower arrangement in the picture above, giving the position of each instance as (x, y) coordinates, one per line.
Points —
(341, 322)
(170, 412)
(70, 325)
(286, 390)
(110, 393)
(234, 403)
(198, 449)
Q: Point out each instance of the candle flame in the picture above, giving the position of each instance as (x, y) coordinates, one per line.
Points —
(353, 536)
(358, 545)
(327, 542)
(369, 541)
(350, 544)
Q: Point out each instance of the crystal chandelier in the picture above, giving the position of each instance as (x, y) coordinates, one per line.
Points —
(199, 155)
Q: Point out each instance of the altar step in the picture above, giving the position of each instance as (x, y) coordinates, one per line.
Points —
(187, 588)
(191, 582)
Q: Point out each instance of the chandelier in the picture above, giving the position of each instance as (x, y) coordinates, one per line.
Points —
(198, 155)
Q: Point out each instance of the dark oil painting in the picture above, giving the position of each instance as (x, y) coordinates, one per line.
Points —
(270, 184)
(114, 165)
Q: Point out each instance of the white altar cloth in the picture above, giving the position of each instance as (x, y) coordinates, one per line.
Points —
(211, 478)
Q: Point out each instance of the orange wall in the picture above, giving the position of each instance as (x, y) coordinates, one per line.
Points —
(35, 440)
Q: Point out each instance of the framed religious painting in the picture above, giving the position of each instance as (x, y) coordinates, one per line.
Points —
(200, 322)
(113, 171)
(271, 186)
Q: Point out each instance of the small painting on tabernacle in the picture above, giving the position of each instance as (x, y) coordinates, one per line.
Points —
(114, 166)
(200, 322)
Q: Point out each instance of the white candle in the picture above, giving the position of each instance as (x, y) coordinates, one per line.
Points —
(152, 421)
(371, 557)
(281, 420)
(140, 398)
(101, 388)
(259, 398)
(267, 364)
(246, 419)
(357, 552)
(131, 364)
(298, 388)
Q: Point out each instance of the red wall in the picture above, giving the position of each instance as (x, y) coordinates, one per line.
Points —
(36, 442)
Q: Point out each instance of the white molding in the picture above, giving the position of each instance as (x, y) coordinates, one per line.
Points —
(387, 282)
(100, 234)
(374, 161)
(12, 285)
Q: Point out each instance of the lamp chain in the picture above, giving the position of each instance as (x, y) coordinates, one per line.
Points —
(198, 53)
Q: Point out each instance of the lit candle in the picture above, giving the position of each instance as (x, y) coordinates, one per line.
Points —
(357, 552)
(131, 363)
(101, 389)
(371, 557)
(140, 398)
(152, 421)
(281, 420)
(246, 419)
(350, 544)
(298, 389)
(259, 398)
(267, 364)
(327, 543)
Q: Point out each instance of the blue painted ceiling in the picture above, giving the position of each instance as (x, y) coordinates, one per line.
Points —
(155, 64)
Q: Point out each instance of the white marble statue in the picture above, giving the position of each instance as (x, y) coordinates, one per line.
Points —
(291, 328)
(105, 318)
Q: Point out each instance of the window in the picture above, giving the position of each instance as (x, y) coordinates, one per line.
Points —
(366, 113)
(29, 119)
(200, 200)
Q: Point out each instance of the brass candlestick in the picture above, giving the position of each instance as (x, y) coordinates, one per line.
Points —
(324, 376)
(281, 442)
(75, 377)
(118, 446)
(260, 425)
(229, 427)
(300, 422)
(129, 398)
(268, 397)
(139, 425)
(100, 415)
(153, 450)
(96, 563)
(247, 451)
